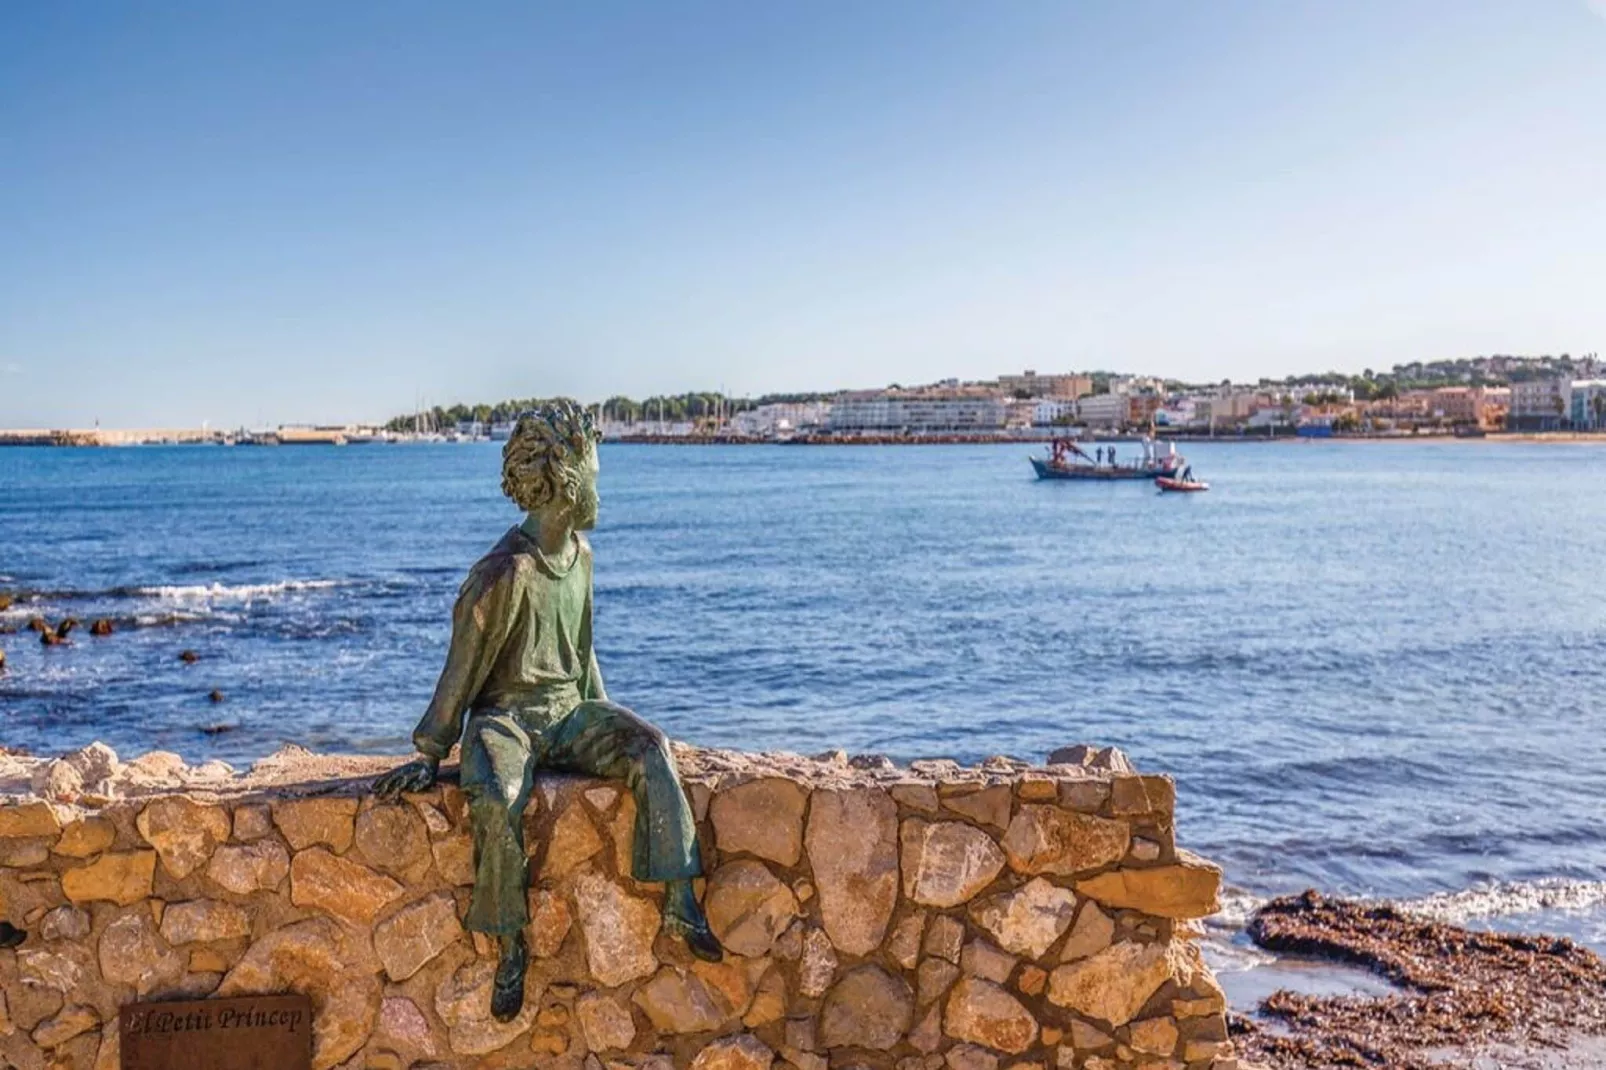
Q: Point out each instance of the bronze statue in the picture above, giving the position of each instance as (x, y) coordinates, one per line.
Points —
(522, 666)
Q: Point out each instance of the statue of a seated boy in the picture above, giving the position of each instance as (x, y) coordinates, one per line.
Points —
(522, 668)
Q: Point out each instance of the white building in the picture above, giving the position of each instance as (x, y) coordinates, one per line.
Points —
(647, 429)
(1102, 410)
(919, 411)
(1588, 408)
(1540, 404)
(1049, 411)
(780, 418)
(1181, 412)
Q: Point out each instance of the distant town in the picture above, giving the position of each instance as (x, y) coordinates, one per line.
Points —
(1473, 397)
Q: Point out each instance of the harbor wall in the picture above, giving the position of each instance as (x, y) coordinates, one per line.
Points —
(901, 918)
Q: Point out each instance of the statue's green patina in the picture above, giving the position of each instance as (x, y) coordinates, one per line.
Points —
(522, 668)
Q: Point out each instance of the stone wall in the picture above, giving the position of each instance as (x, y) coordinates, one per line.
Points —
(875, 916)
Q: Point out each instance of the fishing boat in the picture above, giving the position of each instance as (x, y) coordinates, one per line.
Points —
(1067, 460)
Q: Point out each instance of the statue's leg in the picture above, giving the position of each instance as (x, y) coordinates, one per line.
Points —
(497, 779)
(607, 740)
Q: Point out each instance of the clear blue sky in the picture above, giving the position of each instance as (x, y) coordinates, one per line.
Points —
(244, 212)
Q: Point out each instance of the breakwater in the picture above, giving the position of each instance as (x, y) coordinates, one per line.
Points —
(907, 918)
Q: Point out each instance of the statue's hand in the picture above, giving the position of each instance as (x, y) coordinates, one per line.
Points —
(416, 776)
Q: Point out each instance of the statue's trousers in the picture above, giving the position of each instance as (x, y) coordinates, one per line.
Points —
(502, 752)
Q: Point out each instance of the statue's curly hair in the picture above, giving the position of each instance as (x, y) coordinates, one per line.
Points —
(541, 460)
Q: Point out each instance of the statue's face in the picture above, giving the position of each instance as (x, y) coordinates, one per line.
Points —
(587, 501)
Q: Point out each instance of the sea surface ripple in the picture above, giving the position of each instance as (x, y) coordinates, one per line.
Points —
(1373, 668)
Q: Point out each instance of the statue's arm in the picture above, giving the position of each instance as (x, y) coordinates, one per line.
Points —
(480, 625)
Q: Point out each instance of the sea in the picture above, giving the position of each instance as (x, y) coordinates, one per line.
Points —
(1375, 669)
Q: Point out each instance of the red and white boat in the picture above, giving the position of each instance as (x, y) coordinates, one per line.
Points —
(1182, 482)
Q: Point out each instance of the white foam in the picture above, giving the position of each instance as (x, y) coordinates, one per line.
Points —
(1505, 898)
(1238, 905)
(214, 592)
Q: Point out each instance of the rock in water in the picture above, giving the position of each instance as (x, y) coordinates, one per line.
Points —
(188, 657)
(215, 695)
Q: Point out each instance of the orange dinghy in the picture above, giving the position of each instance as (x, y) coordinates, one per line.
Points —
(1184, 485)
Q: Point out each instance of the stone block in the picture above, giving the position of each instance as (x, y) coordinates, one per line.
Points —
(981, 959)
(261, 866)
(550, 921)
(122, 877)
(743, 1052)
(946, 863)
(945, 937)
(986, 806)
(748, 907)
(678, 1001)
(573, 841)
(1092, 933)
(28, 820)
(412, 937)
(818, 964)
(852, 843)
(183, 832)
(1153, 1036)
(903, 946)
(392, 838)
(868, 1008)
(199, 921)
(1113, 985)
(1028, 920)
(1047, 839)
(1186, 888)
(324, 820)
(618, 929)
(1132, 795)
(761, 817)
(982, 1012)
(338, 886)
(90, 836)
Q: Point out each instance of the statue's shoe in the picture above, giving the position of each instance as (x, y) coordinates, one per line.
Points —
(700, 939)
(507, 989)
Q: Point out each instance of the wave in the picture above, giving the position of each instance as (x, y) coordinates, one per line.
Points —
(1494, 899)
(23, 601)
(212, 592)
(1505, 898)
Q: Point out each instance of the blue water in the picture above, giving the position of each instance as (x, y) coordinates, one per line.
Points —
(1373, 668)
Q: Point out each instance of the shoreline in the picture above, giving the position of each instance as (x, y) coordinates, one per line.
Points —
(1360, 984)
(76, 440)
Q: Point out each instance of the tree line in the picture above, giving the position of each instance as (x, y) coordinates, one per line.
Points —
(671, 408)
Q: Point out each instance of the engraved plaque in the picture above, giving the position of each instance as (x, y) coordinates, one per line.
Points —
(243, 1033)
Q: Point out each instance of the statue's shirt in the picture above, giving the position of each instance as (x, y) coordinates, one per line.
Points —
(521, 640)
